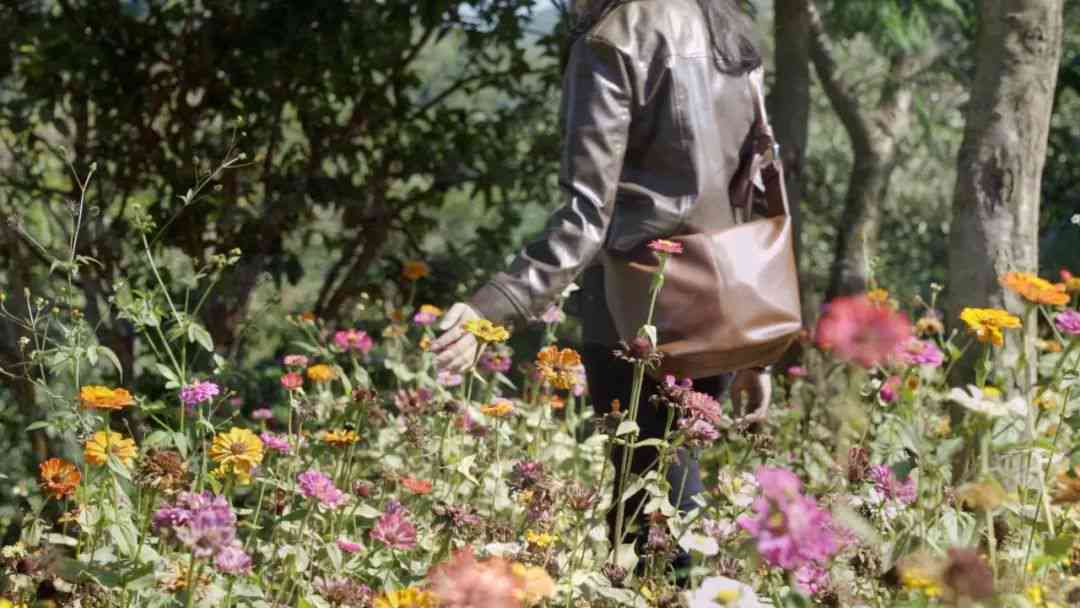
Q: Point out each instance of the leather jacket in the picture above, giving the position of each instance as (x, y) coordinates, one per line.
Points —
(653, 133)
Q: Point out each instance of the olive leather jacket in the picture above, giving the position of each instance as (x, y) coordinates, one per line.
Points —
(653, 133)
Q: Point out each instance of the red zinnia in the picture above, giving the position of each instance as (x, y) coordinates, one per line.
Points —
(292, 381)
(416, 486)
(855, 329)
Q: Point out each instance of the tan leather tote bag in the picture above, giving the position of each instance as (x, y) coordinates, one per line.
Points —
(730, 300)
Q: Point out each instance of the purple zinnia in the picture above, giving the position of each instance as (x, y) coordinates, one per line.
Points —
(203, 522)
(275, 442)
(348, 546)
(495, 362)
(791, 530)
(885, 481)
(394, 529)
(1068, 322)
(198, 392)
(233, 560)
(315, 484)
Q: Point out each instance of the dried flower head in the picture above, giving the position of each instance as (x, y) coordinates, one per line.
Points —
(164, 471)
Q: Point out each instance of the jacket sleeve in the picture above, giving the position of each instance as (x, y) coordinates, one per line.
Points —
(596, 103)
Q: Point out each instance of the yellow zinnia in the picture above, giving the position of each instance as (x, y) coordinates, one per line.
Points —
(103, 443)
(237, 452)
(878, 296)
(410, 597)
(987, 323)
(540, 540)
(1035, 288)
(499, 409)
(321, 373)
(536, 584)
(559, 367)
(486, 331)
(96, 397)
(340, 438)
(428, 309)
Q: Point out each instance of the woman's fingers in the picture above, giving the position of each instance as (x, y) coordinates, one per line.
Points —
(458, 356)
(447, 339)
(453, 316)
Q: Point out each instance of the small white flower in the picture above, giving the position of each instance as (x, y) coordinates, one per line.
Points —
(1076, 219)
(973, 399)
(721, 592)
(705, 545)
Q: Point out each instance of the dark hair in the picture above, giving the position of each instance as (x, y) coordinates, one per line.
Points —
(731, 31)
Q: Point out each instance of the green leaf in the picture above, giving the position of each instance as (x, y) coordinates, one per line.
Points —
(626, 427)
(40, 424)
(197, 333)
(1059, 547)
(166, 372)
(111, 356)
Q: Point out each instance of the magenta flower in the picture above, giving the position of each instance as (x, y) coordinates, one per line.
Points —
(856, 329)
(233, 560)
(394, 529)
(495, 362)
(275, 442)
(920, 352)
(424, 317)
(885, 481)
(296, 360)
(354, 340)
(812, 579)
(797, 371)
(665, 246)
(198, 392)
(791, 530)
(262, 413)
(889, 389)
(205, 523)
(319, 487)
(348, 546)
(1068, 322)
(292, 381)
(553, 314)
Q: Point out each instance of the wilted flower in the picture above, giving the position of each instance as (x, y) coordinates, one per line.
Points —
(929, 325)
(104, 398)
(1036, 289)
(321, 372)
(239, 451)
(59, 478)
(414, 270)
(977, 400)
(164, 471)
(987, 323)
(486, 331)
(1067, 488)
(855, 329)
(103, 443)
(1068, 322)
(465, 582)
(394, 529)
(526, 474)
(558, 367)
(292, 381)
(413, 401)
(352, 340)
(721, 592)
(342, 591)
(318, 486)
(198, 392)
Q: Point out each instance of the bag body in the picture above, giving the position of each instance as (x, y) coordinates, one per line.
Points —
(730, 300)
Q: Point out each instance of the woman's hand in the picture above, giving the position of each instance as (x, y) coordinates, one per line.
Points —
(751, 393)
(455, 349)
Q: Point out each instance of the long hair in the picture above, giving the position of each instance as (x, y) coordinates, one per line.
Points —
(731, 31)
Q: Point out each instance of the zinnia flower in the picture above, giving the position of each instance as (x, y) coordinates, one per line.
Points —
(448, 379)
(394, 529)
(198, 392)
(495, 362)
(340, 438)
(274, 442)
(666, 246)
(348, 546)
(486, 331)
(536, 584)
(239, 451)
(721, 592)
(427, 314)
(888, 389)
(409, 597)
(921, 352)
(233, 560)
(885, 482)
(416, 486)
(321, 373)
(103, 443)
(553, 314)
(414, 270)
(559, 368)
(987, 323)
(352, 340)
(855, 329)
(929, 325)
(790, 529)
(342, 591)
(292, 381)
(296, 360)
(263, 413)
(1036, 289)
(59, 478)
(1068, 322)
(95, 397)
(465, 582)
(1072, 283)
(318, 486)
(499, 409)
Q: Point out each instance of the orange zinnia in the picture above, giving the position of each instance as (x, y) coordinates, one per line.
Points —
(416, 486)
(414, 270)
(559, 367)
(59, 478)
(1036, 289)
(95, 397)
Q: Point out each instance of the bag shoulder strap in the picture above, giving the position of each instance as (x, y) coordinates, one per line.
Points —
(767, 168)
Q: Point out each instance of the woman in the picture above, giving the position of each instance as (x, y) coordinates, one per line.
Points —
(657, 113)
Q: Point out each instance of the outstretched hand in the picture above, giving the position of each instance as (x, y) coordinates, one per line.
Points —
(751, 393)
(455, 350)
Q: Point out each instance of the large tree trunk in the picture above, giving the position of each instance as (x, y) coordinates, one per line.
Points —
(789, 110)
(996, 201)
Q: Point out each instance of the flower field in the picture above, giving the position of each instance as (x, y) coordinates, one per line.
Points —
(374, 479)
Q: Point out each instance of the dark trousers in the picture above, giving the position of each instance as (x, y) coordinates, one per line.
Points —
(611, 378)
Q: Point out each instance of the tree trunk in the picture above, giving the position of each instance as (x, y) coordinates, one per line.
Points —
(789, 110)
(1000, 164)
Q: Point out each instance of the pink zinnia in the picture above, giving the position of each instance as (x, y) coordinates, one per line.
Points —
(885, 481)
(424, 317)
(233, 560)
(1068, 322)
(858, 330)
(797, 371)
(665, 246)
(920, 352)
(495, 362)
(812, 579)
(198, 392)
(348, 546)
(889, 388)
(262, 413)
(353, 339)
(791, 530)
(318, 486)
(465, 582)
(296, 360)
(292, 381)
(275, 442)
(394, 529)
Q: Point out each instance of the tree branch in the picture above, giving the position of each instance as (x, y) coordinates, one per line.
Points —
(839, 91)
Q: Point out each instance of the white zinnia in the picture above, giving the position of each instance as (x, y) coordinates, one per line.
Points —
(973, 399)
(721, 592)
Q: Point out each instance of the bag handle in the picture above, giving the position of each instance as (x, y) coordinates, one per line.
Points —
(766, 161)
